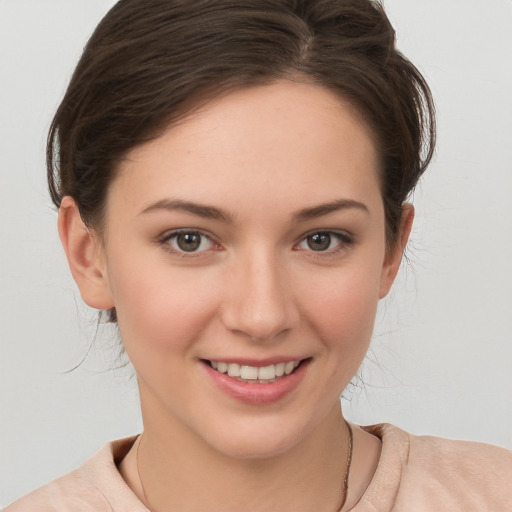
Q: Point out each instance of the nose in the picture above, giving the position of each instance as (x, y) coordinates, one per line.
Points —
(259, 302)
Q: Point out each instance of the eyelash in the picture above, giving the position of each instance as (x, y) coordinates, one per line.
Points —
(345, 241)
(165, 240)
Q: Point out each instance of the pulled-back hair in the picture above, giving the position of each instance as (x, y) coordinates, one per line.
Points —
(149, 63)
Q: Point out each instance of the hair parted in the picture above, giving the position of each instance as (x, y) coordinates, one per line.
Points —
(149, 63)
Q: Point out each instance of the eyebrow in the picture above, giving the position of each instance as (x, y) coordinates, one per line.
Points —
(211, 212)
(327, 208)
(199, 210)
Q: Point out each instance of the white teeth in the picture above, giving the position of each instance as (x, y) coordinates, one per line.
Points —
(267, 372)
(234, 370)
(289, 367)
(249, 372)
(262, 373)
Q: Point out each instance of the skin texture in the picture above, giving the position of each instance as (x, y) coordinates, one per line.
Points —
(254, 290)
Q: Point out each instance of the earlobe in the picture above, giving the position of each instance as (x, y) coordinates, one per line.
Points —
(394, 254)
(84, 256)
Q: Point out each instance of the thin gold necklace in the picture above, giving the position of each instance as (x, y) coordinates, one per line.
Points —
(350, 448)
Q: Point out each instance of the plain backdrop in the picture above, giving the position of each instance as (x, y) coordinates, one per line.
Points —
(441, 357)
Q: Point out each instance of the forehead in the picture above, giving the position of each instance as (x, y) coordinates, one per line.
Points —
(271, 142)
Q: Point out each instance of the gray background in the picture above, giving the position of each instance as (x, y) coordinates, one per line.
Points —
(442, 350)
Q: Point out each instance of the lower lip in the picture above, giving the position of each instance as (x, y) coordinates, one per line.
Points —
(254, 393)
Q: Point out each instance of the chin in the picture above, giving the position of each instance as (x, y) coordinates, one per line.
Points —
(263, 447)
(253, 439)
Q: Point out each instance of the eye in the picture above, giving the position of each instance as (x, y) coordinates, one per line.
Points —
(188, 242)
(324, 241)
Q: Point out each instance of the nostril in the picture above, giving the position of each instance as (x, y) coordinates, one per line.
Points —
(259, 304)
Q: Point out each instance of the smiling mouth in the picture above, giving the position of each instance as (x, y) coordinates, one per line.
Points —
(256, 374)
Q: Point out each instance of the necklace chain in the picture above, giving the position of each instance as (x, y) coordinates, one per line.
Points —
(350, 448)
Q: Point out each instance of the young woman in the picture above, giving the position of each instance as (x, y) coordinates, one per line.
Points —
(232, 184)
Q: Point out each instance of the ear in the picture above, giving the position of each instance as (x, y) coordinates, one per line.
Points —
(85, 256)
(394, 254)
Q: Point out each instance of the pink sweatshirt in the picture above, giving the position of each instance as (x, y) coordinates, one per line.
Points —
(414, 474)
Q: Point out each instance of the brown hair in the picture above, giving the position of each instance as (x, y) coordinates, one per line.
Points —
(147, 61)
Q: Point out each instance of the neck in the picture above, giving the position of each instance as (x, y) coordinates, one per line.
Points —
(190, 475)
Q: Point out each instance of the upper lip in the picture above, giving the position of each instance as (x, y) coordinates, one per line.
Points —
(247, 361)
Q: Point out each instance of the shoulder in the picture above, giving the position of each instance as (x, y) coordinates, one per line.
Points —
(95, 486)
(467, 457)
(477, 474)
(441, 474)
(70, 492)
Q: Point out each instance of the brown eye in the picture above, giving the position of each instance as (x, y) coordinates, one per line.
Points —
(329, 242)
(319, 241)
(188, 242)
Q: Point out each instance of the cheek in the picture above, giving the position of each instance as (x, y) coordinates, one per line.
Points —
(159, 308)
(343, 306)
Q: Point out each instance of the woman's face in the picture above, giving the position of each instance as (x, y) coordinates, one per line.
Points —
(249, 239)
